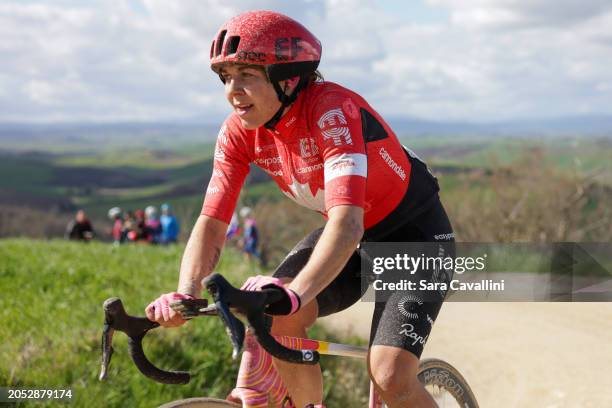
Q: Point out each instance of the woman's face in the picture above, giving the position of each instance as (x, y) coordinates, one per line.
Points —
(250, 93)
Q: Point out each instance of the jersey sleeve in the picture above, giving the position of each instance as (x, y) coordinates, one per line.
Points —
(338, 133)
(230, 168)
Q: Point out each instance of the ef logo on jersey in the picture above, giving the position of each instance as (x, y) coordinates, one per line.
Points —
(308, 147)
(334, 126)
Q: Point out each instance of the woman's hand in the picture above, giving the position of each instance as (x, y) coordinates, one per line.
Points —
(290, 301)
(160, 311)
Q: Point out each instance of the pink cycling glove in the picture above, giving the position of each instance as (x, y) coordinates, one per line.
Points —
(160, 307)
(287, 306)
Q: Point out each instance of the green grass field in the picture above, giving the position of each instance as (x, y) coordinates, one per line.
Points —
(23, 172)
(144, 158)
(51, 320)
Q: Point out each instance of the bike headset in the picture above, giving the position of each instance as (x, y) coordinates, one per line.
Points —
(281, 45)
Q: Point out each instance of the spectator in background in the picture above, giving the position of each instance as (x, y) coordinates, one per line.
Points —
(169, 224)
(152, 225)
(233, 230)
(116, 216)
(140, 230)
(79, 229)
(250, 239)
(137, 230)
(130, 226)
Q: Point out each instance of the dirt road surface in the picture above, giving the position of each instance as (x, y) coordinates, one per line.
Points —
(541, 355)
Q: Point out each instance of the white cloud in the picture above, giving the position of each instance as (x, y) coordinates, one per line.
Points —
(501, 67)
(148, 60)
(504, 14)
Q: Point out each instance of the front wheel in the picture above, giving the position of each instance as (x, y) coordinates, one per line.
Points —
(200, 403)
(446, 384)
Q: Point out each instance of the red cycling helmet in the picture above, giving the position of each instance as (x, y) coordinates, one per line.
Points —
(284, 47)
(279, 43)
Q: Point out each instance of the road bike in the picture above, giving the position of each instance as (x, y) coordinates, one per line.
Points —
(259, 385)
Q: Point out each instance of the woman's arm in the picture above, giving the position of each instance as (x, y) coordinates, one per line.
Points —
(341, 235)
(201, 254)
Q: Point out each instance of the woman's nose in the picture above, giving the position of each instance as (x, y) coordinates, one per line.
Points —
(234, 86)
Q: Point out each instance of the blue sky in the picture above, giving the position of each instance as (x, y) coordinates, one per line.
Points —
(446, 60)
(415, 11)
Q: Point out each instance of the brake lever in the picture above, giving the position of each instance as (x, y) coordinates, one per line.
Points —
(190, 308)
(252, 305)
(233, 326)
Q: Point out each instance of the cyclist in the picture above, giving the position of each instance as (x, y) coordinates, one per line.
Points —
(330, 151)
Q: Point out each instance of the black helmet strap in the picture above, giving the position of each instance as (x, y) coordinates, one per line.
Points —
(285, 99)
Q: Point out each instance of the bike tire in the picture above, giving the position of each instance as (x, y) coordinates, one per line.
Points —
(438, 373)
(200, 403)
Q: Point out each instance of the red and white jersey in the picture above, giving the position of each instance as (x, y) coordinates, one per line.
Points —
(331, 148)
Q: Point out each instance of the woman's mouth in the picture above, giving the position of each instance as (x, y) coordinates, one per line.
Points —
(243, 109)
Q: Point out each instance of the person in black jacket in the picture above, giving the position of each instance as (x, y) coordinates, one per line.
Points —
(80, 228)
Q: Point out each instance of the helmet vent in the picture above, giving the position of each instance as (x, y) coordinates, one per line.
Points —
(232, 44)
(220, 42)
(212, 49)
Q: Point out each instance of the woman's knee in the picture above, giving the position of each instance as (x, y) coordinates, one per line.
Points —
(396, 386)
(393, 371)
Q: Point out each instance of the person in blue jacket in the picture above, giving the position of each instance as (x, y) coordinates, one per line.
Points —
(169, 224)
